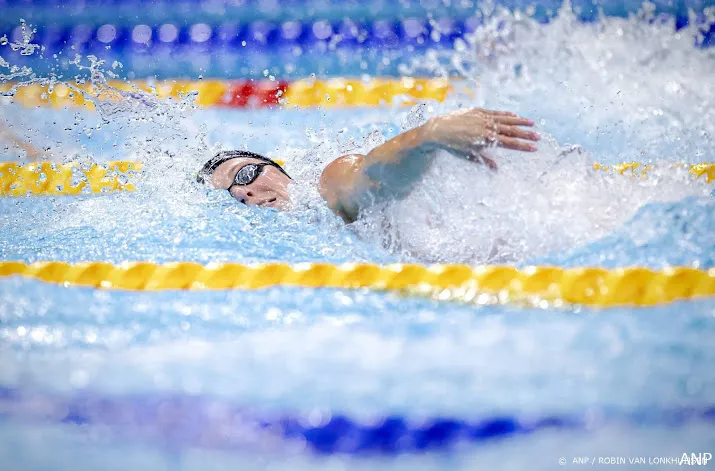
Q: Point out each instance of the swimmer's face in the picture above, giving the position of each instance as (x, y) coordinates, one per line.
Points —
(269, 189)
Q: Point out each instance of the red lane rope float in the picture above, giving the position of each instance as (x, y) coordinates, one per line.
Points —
(338, 92)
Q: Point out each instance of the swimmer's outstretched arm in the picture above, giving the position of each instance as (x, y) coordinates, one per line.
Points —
(353, 182)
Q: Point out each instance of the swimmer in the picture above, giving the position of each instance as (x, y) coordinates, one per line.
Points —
(351, 183)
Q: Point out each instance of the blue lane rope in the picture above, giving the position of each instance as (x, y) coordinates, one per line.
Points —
(412, 32)
(417, 32)
(200, 421)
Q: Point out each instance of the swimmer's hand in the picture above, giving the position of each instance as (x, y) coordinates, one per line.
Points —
(351, 183)
(468, 132)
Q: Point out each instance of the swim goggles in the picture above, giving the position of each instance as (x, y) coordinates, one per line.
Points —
(249, 173)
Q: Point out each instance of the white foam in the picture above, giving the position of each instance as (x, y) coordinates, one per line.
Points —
(582, 83)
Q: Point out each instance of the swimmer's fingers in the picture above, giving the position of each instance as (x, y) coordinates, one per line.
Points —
(479, 157)
(515, 131)
(513, 120)
(483, 158)
(481, 112)
(491, 163)
(515, 144)
(507, 117)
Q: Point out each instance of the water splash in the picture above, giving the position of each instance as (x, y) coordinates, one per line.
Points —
(591, 99)
(128, 123)
(616, 101)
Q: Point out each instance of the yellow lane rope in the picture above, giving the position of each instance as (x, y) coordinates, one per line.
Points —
(340, 92)
(637, 169)
(587, 286)
(50, 178)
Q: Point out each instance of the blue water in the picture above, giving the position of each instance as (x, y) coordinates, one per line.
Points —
(611, 382)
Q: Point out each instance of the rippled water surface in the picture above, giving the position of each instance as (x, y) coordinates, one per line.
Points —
(618, 90)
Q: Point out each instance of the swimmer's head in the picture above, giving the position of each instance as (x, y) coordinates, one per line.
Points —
(250, 178)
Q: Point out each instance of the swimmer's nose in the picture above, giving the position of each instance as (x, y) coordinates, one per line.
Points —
(245, 197)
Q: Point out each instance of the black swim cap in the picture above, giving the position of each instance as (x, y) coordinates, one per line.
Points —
(225, 155)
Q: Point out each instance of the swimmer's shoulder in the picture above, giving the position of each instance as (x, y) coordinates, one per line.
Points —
(340, 181)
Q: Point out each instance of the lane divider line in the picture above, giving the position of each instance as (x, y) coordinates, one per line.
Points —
(589, 286)
(334, 92)
(637, 169)
(196, 421)
(74, 178)
(55, 179)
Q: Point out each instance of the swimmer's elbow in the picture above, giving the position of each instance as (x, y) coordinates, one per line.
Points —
(340, 182)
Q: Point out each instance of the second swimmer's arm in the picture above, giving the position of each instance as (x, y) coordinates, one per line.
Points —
(353, 182)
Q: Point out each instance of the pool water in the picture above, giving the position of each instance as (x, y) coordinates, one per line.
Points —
(614, 382)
